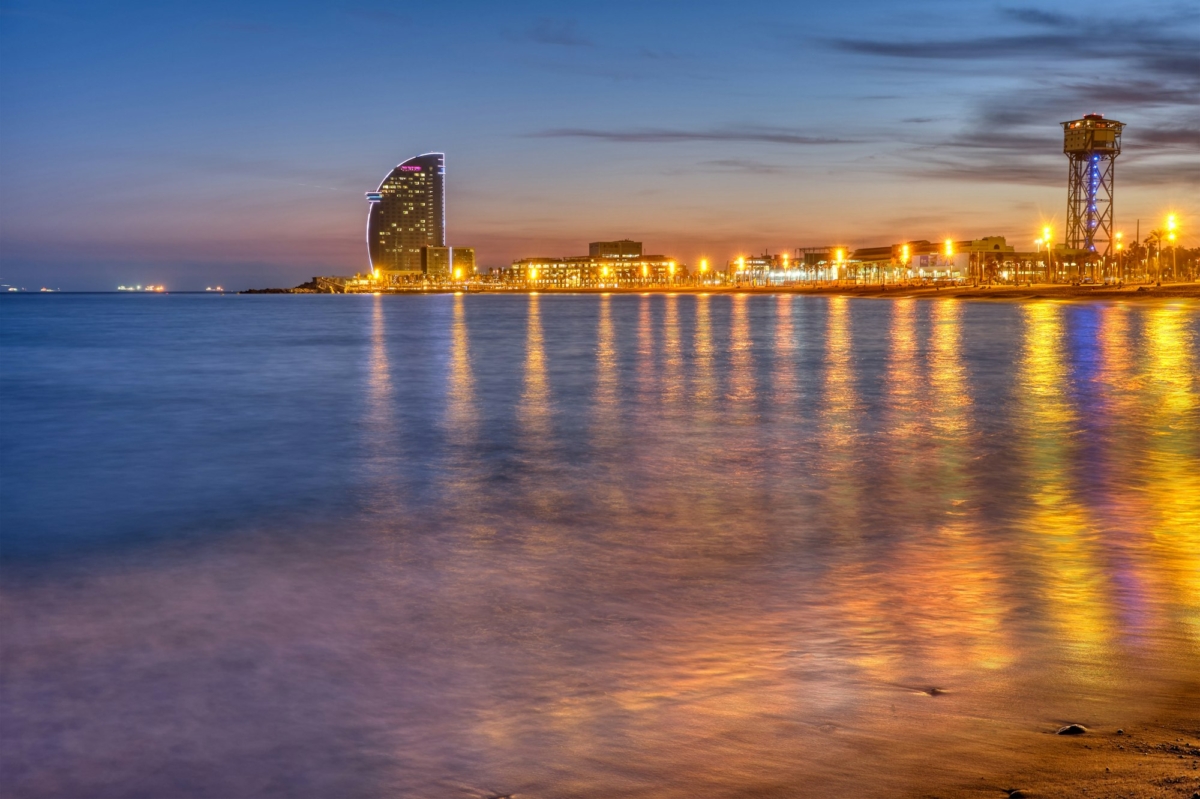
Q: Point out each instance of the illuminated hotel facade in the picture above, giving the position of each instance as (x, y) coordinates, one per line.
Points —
(609, 264)
(408, 213)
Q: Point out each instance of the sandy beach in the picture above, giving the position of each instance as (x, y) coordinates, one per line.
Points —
(1157, 758)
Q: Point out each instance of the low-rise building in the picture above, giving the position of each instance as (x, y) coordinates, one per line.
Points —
(608, 264)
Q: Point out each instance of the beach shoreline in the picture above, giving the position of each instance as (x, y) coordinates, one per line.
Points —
(1134, 293)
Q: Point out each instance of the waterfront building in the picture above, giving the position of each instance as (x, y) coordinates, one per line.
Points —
(608, 264)
(407, 212)
(462, 263)
(435, 263)
(440, 264)
(808, 264)
(623, 248)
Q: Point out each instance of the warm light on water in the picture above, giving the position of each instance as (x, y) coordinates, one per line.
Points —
(594, 545)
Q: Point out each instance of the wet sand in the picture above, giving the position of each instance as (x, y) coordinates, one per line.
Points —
(1156, 759)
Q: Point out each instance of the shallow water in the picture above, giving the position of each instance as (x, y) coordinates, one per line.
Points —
(586, 545)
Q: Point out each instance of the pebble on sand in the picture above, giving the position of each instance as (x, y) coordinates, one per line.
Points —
(1072, 729)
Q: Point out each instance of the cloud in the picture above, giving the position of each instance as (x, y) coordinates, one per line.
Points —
(558, 32)
(745, 166)
(1044, 171)
(742, 166)
(919, 120)
(1036, 16)
(1157, 45)
(1170, 137)
(666, 136)
(1141, 70)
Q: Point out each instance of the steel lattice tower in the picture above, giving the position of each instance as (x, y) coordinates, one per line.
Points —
(1092, 145)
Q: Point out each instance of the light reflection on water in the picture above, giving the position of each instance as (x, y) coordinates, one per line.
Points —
(606, 545)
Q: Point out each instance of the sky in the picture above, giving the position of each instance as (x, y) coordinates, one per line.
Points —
(231, 143)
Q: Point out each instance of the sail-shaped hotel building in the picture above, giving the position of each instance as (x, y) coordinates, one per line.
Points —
(408, 213)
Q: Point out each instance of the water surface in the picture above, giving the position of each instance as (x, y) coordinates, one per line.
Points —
(586, 545)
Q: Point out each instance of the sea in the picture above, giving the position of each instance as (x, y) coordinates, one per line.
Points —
(461, 545)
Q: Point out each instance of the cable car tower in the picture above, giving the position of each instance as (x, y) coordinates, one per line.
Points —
(1092, 145)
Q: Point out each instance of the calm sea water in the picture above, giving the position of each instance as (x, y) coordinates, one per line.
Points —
(585, 545)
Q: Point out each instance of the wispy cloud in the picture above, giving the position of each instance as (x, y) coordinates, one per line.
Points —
(734, 166)
(668, 136)
(558, 32)
(745, 166)
(1062, 65)
(1043, 172)
(1160, 45)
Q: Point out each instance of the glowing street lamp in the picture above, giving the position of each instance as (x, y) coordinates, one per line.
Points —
(1046, 231)
(949, 248)
(1174, 249)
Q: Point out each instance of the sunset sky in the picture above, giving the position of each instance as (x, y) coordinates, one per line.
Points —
(201, 143)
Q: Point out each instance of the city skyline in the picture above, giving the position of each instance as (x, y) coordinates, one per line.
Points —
(189, 147)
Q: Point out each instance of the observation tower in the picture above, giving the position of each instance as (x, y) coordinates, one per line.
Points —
(1092, 145)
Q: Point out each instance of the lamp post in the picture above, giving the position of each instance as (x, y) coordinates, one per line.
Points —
(1119, 258)
(1051, 275)
(1174, 249)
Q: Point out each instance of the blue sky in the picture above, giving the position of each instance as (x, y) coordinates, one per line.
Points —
(201, 143)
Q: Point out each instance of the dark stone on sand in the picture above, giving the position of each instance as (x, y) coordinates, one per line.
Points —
(935, 691)
(1072, 729)
(1017, 793)
(1120, 732)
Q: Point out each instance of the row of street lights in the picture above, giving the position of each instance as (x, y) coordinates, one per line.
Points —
(1169, 233)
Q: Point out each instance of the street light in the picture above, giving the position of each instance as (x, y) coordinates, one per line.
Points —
(1174, 249)
(1046, 231)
